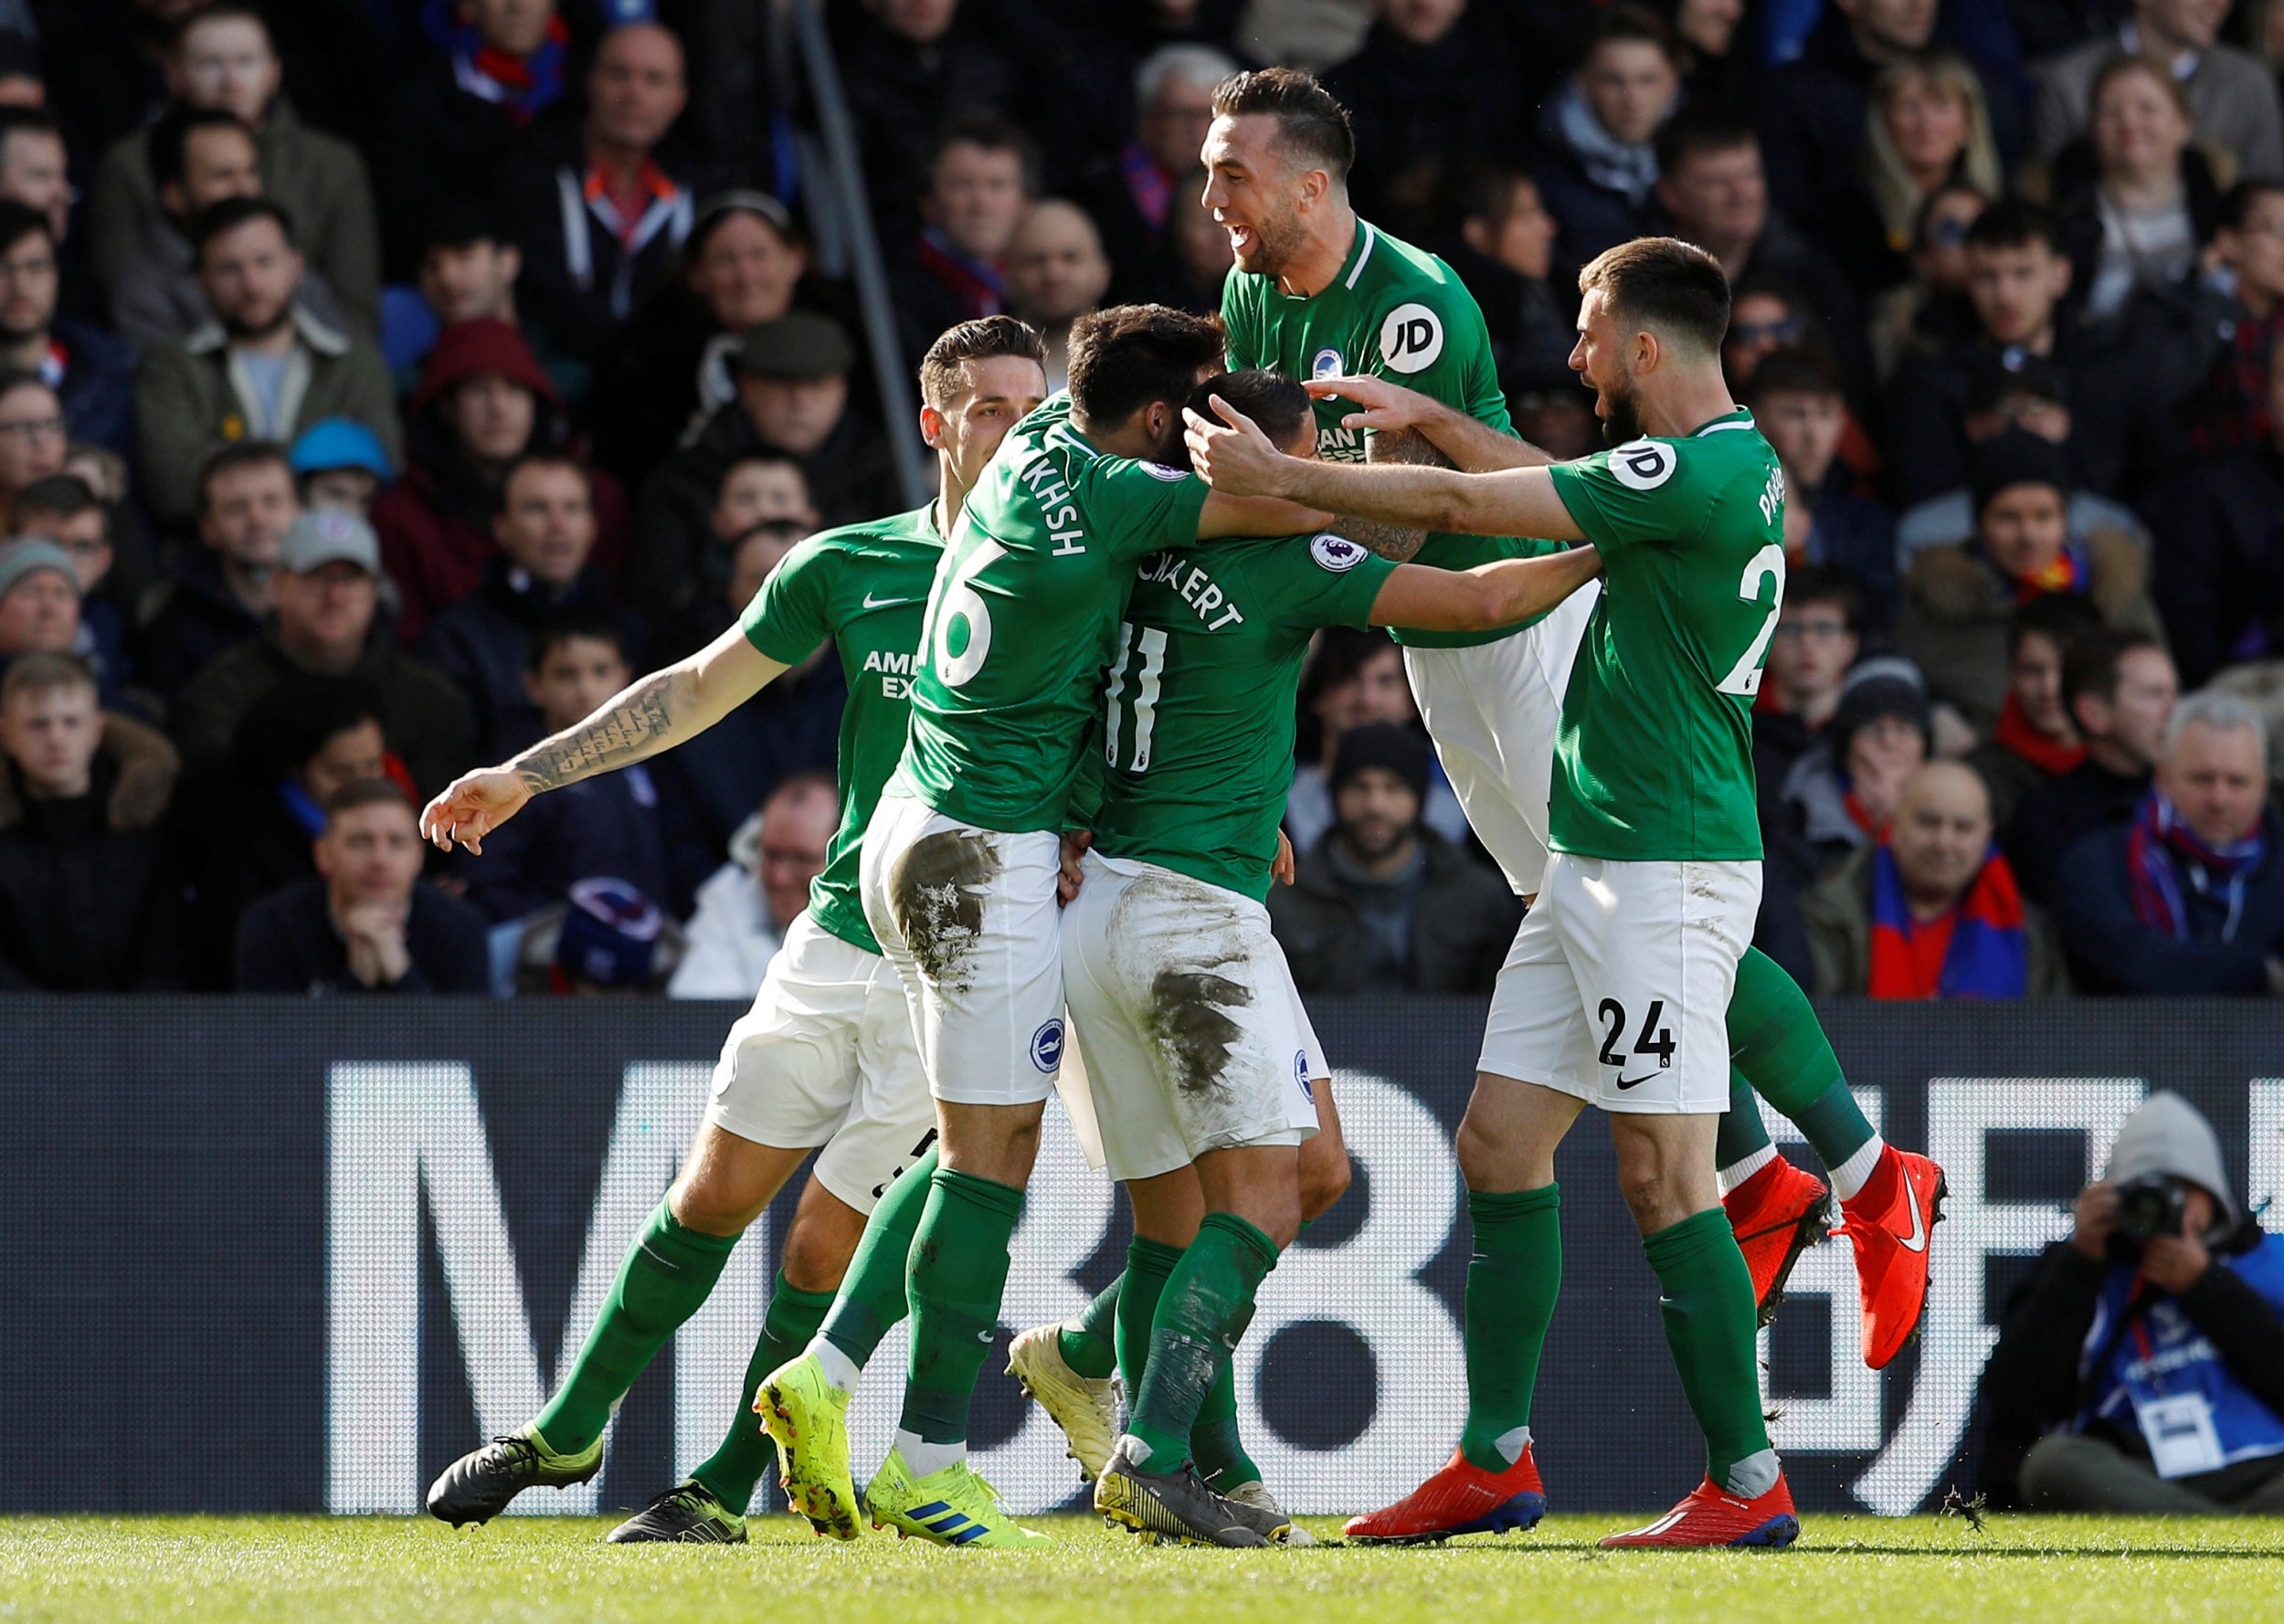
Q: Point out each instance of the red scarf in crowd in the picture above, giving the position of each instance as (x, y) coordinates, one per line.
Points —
(2015, 734)
(1978, 950)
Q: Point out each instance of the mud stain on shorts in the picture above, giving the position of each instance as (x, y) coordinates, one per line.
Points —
(1187, 1019)
(937, 893)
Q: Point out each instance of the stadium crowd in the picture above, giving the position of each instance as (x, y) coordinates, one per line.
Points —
(384, 382)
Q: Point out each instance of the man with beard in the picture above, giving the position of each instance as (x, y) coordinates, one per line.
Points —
(264, 368)
(92, 372)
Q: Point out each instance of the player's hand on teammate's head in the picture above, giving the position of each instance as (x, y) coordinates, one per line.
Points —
(1232, 456)
(1387, 406)
(471, 807)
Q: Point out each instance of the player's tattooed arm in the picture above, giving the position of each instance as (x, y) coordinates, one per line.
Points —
(1398, 544)
(639, 721)
(1467, 444)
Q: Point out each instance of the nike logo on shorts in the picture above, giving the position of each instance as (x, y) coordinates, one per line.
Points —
(1627, 1082)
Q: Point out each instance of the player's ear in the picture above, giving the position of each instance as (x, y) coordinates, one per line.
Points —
(932, 428)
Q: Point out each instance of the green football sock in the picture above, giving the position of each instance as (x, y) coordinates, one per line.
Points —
(1213, 1441)
(1775, 1039)
(731, 1471)
(1705, 1293)
(871, 1298)
(1090, 1342)
(959, 1257)
(1513, 1278)
(1150, 1263)
(1740, 1135)
(1205, 1308)
(668, 1273)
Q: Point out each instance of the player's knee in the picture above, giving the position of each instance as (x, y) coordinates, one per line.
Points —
(1654, 1192)
(1324, 1180)
(814, 1258)
(710, 1208)
(1485, 1153)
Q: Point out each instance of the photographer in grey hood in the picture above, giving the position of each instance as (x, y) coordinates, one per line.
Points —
(2140, 1367)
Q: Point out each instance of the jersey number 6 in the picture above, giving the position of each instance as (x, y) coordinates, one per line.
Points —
(961, 602)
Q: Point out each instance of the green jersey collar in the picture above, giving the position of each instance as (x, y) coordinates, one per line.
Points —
(1736, 417)
(1359, 256)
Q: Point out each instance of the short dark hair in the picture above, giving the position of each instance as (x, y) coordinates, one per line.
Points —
(2062, 616)
(13, 378)
(1817, 584)
(366, 792)
(2237, 205)
(61, 496)
(39, 672)
(1665, 285)
(238, 454)
(292, 722)
(984, 339)
(1635, 23)
(574, 621)
(2011, 222)
(2089, 665)
(1687, 134)
(169, 138)
(231, 212)
(26, 121)
(1312, 125)
(220, 10)
(544, 456)
(1277, 405)
(1796, 369)
(993, 135)
(1123, 358)
(19, 220)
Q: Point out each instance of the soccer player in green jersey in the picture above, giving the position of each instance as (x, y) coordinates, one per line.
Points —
(1199, 1058)
(1317, 293)
(827, 1056)
(1617, 990)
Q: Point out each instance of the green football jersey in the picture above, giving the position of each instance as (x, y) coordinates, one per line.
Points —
(1021, 617)
(1654, 756)
(1198, 707)
(1396, 312)
(866, 587)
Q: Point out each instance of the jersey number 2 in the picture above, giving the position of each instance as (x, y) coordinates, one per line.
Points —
(1745, 677)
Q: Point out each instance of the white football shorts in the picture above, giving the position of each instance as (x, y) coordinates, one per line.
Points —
(826, 1055)
(1190, 1031)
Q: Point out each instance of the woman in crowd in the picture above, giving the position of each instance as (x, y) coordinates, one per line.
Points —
(1928, 129)
(2137, 201)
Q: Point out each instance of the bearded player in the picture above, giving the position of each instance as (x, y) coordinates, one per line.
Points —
(827, 1056)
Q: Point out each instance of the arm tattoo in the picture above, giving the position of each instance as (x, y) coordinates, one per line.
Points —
(640, 722)
(1396, 542)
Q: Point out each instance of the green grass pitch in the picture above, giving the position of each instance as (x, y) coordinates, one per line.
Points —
(2046, 1570)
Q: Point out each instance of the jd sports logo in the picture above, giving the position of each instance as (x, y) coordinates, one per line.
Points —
(1411, 339)
(1642, 464)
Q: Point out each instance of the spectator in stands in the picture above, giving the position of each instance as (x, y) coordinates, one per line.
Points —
(326, 593)
(1710, 183)
(1926, 128)
(1506, 255)
(1381, 901)
(369, 924)
(745, 907)
(595, 211)
(742, 264)
(1931, 311)
(2189, 897)
(2221, 590)
(2119, 689)
(1353, 678)
(262, 369)
(2108, 1326)
(1930, 910)
(248, 824)
(1056, 272)
(606, 939)
(1819, 633)
(62, 510)
(545, 531)
(467, 268)
(2232, 98)
(792, 398)
(2232, 409)
(910, 68)
(339, 464)
(980, 176)
(39, 604)
(2141, 204)
(1957, 600)
(1766, 314)
(1596, 163)
(33, 437)
(499, 65)
(1814, 110)
(1715, 71)
(219, 594)
(35, 169)
(197, 159)
(86, 905)
(2033, 740)
(1799, 402)
(1430, 91)
(1135, 196)
(608, 824)
(1843, 793)
(92, 373)
(221, 59)
(483, 401)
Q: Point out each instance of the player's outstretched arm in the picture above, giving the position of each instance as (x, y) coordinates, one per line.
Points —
(1235, 457)
(1473, 446)
(1489, 596)
(650, 715)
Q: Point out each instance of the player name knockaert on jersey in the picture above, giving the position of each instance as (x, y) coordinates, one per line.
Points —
(1198, 708)
(1398, 312)
(1653, 758)
(1021, 617)
(866, 587)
